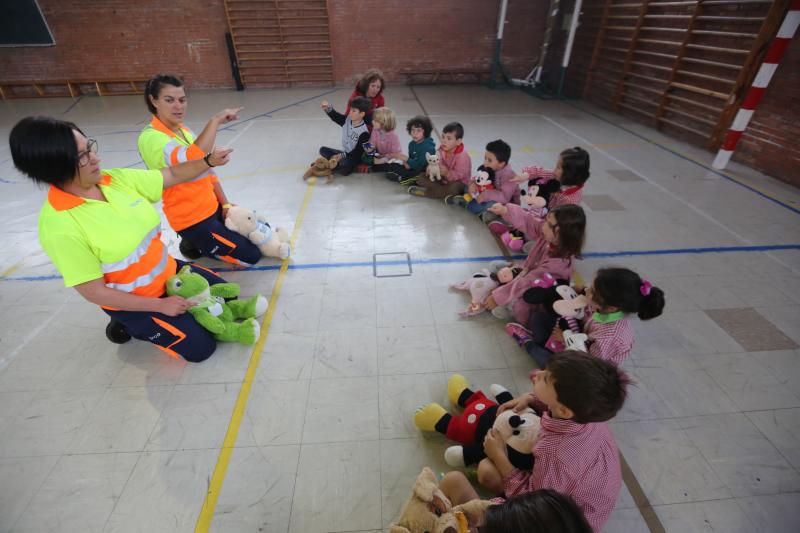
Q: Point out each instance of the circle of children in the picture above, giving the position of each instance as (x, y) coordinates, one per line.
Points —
(556, 437)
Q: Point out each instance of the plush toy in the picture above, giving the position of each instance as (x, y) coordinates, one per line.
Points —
(273, 243)
(481, 285)
(533, 194)
(433, 171)
(519, 430)
(429, 511)
(211, 310)
(561, 300)
(320, 168)
(484, 179)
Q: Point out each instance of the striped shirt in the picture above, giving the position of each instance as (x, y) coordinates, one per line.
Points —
(580, 460)
(612, 341)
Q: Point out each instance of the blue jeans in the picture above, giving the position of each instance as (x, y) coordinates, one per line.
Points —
(477, 208)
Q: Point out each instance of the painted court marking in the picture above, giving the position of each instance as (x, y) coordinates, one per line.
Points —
(226, 452)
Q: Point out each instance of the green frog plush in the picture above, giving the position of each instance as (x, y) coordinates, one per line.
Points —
(211, 311)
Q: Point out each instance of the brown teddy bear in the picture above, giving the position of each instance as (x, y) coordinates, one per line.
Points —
(321, 167)
(429, 510)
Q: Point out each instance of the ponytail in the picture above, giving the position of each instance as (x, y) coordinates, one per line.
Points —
(626, 290)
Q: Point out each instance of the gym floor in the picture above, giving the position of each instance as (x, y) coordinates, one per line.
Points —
(100, 437)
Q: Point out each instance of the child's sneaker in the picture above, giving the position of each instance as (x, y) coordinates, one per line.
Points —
(416, 191)
(456, 199)
(409, 181)
(393, 176)
(488, 216)
(519, 333)
(498, 228)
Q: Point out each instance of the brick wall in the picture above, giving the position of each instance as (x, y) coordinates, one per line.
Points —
(127, 39)
(404, 36)
(770, 142)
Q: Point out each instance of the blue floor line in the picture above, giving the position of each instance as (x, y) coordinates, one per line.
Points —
(477, 259)
(711, 169)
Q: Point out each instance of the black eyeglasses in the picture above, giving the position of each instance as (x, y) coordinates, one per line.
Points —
(85, 156)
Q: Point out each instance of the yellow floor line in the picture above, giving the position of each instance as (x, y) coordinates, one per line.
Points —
(10, 270)
(225, 453)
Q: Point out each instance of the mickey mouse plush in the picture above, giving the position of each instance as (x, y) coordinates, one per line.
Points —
(519, 430)
(533, 194)
(561, 300)
(484, 179)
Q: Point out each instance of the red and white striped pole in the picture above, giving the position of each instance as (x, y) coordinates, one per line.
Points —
(762, 79)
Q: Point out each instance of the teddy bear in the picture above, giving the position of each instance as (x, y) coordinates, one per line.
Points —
(561, 300)
(481, 285)
(533, 194)
(519, 430)
(484, 179)
(433, 171)
(429, 511)
(213, 310)
(321, 167)
(273, 243)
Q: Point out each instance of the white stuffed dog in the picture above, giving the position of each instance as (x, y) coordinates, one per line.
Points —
(273, 243)
(433, 171)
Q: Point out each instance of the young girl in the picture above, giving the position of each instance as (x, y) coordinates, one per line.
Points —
(572, 171)
(614, 295)
(558, 239)
(384, 139)
(539, 511)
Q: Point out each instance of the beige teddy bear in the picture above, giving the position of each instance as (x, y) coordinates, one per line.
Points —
(429, 510)
(321, 168)
(273, 243)
(433, 171)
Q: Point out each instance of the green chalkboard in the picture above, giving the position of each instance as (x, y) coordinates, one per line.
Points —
(22, 24)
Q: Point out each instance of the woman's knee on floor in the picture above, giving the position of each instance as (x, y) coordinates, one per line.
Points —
(196, 347)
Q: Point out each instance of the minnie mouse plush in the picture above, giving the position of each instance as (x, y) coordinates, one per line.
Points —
(561, 300)
(535, 194)
(481, 285)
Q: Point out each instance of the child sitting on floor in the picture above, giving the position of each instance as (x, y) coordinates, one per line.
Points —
(614, 295)
(572, 171)
(384, 140)
(505, 190)
(354, 135)
(454, 166)
(420, 129)
(558, 241)
(575, 452)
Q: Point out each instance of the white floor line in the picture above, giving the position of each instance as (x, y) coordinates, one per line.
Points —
(5, 361)
(671, 194)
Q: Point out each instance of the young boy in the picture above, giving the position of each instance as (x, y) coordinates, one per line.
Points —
(419, 128)
(575, 453)
(505, 189)
(454, 166)
(354, 135)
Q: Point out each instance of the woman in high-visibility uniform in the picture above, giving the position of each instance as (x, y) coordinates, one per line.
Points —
(196, 209)
(102, 233)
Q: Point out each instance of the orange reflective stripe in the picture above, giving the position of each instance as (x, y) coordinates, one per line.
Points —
(229, 259)
(146, 263)
(223, 240)
(158, 286)
(173, 157)
(201, 267)
(175, 331)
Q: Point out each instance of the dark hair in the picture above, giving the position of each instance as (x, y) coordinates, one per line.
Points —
(154, 85)
(420, 121)
(361, 103)
(575, 166)
(540, 511)
(454, 127)
(621, 287)
(592, 388)
(571, 225)
(44, 149)
(500, 149)
(368, 77)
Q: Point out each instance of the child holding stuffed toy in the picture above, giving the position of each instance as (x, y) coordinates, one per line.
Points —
(454, 166)
(575, 452)
(570, 174)
(354, 135)
(558, 241)
(504, 190)
(420, 128)
(614, 295)
(384, 141)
